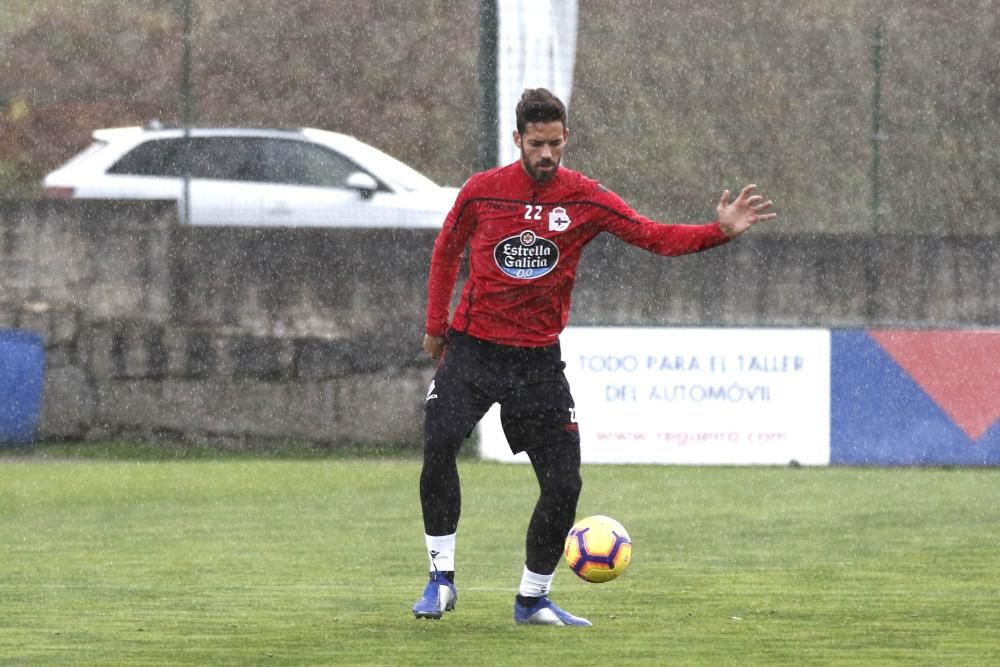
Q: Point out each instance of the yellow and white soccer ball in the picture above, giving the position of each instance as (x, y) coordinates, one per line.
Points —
(598, 549)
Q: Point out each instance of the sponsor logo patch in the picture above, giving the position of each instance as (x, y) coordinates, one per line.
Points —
(526, 256)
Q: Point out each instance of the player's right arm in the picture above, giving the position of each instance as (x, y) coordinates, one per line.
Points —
(446, 259)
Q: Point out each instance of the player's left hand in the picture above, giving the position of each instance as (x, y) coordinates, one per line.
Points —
(742, 213)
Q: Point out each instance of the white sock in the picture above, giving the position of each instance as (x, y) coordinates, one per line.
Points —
(534, 585)
(441, 551)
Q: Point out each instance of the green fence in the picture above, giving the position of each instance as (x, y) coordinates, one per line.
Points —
(855, 116)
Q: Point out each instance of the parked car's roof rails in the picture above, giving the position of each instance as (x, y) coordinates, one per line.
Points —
(154, 124)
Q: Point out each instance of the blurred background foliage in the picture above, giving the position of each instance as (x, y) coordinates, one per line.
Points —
(672, 101)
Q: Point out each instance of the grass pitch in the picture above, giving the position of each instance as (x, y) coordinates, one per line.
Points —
(297, 562)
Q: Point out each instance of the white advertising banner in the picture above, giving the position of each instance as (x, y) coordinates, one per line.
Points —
(693, 396)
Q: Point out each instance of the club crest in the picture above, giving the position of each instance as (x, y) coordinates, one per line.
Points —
(558, 219)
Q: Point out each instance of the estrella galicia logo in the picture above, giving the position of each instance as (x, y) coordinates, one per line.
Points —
(526, 256)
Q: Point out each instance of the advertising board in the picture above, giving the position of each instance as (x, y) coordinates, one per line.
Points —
(693, 396)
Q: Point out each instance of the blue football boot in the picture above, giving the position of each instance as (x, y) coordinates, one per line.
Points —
(439, 596)
(543, 612)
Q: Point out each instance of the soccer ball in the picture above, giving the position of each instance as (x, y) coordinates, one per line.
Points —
(598, 549)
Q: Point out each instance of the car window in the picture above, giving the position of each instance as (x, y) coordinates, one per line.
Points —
(219, 158)
(228, 158)
(300, 163)
(159, 157)
(258, 159)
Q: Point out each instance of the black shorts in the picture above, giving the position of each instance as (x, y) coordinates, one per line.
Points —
(536, 406)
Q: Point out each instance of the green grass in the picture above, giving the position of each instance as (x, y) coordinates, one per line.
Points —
(295, 562)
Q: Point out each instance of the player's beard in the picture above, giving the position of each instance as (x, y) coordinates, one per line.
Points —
(536, 173)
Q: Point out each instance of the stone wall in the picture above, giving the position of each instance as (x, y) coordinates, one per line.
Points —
(234, 337)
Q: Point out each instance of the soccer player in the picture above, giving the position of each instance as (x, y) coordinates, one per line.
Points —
(525, 226)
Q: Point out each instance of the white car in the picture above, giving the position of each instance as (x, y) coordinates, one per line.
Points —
(254, 177)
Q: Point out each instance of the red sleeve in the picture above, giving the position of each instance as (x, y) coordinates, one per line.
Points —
(658, 237)
(445, 261)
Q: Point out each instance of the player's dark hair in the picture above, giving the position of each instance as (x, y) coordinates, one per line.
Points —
(538, 105)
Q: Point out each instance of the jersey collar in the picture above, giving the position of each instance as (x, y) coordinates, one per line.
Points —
(523, 179)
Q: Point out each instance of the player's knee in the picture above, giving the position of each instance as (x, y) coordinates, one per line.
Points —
(565, 488)
(574, 486)
(438, 473)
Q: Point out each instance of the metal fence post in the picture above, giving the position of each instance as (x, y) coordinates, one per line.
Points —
(186, 106)
(488, 150)
(877, 134)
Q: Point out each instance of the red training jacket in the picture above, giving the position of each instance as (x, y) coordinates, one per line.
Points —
(525, 239)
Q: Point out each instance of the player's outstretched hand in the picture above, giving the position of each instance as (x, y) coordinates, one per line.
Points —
(742, 213)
